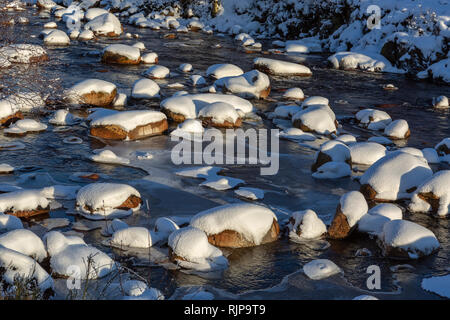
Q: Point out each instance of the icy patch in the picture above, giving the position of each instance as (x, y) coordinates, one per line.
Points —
(320, 269)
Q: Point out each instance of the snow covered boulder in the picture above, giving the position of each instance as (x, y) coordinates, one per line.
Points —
(190, 249)
(150, 58)
(252, 85)
(24, 203)
(189, 128)
(407, 240)
(306, 225)
(106, 24)
(352, 206)
(93, 13)
(333, 170)
(23, 53)
(281, 68)
(25, 242)
(217, 71)
(373, 119)
(156, 72)
(295, 94)
(133, 237)
(145, 89)
(63, 118)
(86, 35)
(354, 60)
(94, 92)
(394, 177)
(220, 114)
(106, 198)
(433, 195)
(443, 147)
(45, 4)
(332, 150)
(8, 112)
(57, 38)
(397, 129)
(107, 156)
(373, 222)
(318, 119)
(441, 102)
(121, 54)
(129, 125)
(238, 225)
(366, 153)
(439, 72)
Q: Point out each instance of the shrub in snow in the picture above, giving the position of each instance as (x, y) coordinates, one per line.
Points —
(220, 114)
(94, 92)
(353, 60)
(252, 84)
(145, 89)
(25, 242)
(352, 206)
(23, 53)
(106, 24)
(190, 249)
(373, 222)
(320, 269)
(441, 102)
(187, 106)
(443, 147)
(332, 150)
(121, 54)
(129, 125)
(24, 203)
(397, 129)
(149, 58)
(366, 153)
(57, 38)
(279, 67)
(106, 198)
(373, 119)
(433, 195)
(133, 237)
(22, 127)
(238, 225)
(294, 94)
(394, 177)
(406, 239)
(305, 225)
(218, 71)
(9, 222)
(19, 266)
(319, 119)
(156, 72)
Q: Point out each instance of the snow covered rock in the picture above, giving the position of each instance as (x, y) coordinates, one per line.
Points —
(135, 289)
(406, 239)
(86, 35)
(156, 72)
(316, 118)
(306, 225)
(394, 177)
(373, 119)
(121, 54)
(297, 135)
(352, 206)
(93, 13)
(250, 193)
(23, 53)
(106, 24)
(129, 125)
(348, 139)
(8, 112)
(366, 153)
(106, 198)
(24, 126)
(6, 168)
(218, 71)
(354, 60)
(397, 129)
(62, 118)
(279, 67)
(197, 80)
(443, 147)
(24, 203)
(190, 249)
(133, 237)
(441, 102)
(145, 89)
(373, 222)
(25, 242)
(45, 4)
(238, 225)
(439, 71)
(188, 128)
(107, 156)
(252, 85)
(431, 155)
(187, 106)
(185, 67)
(149, 58)
(332, 150)
(294, 94)
(320, 269)
(433, 195)
(50, 25)
(220, 114)
(332, 170)
(9, 222)
(94, 92)
(57, 38)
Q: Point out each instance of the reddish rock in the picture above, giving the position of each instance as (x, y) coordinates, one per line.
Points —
(6, 121)
(115, 132)
(114, 58)
(210, 122)
(99, 99)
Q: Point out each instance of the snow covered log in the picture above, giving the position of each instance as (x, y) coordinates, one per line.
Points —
(352, 206)
(238, 225)
(24, 203)
(252, 85)
(94, 92)
(281, 68)
(121, 54)
(129, 125)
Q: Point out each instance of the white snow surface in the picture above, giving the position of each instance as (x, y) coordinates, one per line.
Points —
(396, 129)
(223, 70)
(367, 62)
(123, 50)
(22, 200)
(9, 222)
(308, 223)
(279, 67)
(133, 237)
(248, 85)
(57, 37)
(333, 170)
(25, 242)
(107, 156)
(373, 119)
(366, 153)
(129, 120)
(104, 24)
(156, 72)
(439, 285)
(320, 269)
(145, 89)
(219, 112)
(353, 206)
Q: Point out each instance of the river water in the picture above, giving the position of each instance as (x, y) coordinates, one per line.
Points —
(269, 271)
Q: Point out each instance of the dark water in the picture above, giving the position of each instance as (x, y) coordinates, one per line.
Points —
(255, 269)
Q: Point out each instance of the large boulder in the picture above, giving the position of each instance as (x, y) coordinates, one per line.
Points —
(252, 84)
(121, 54)
(94, 92)
(24, 203)
(220, 114)
(279, 67)
(106, 24)
(332, 150)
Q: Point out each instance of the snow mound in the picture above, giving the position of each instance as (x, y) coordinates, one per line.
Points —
(320, 269)
(133, 237)
(107, 156)
(346, 138)
(24, 126)
(366, 153)
(219, 113)
(222, 183)
(441, 102)
(373, 222)
(353, 60)
(145, 89)
(294, 94)
(22, 200)
(57, 38)
(286, 111)
(218, 71)
(317, 118)
(89, 86)
(353, 205)
(9, 222)
(306, 225)
(93, 13)
(250, 193)
(123, 50)
(25, 242)
(129, 120)
(397, 129)
(252, 85)
(106, 24)
(373, 119)
(156, 72)
(333, 170)
(279, 67)
(187, 128)
(63, 118)
(149, 58)
(200, 172)
(297, 135)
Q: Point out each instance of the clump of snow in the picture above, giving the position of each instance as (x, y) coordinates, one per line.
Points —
(50, 25)
(145, 89)
(373, 119)
(317, 118)
(353, 60)
(138, 290)
(346, 138)
(439, 71)
(185, 67)
(397, 129)
(107, 156)
(333, 170)
(307, 225)
(63, 118)
(6, 168)
(373, 222)
(222, 183)
(320, 269)
(218, 71)
(106, 24)
(22, 200)
(139, 45)
(250, 193)
(366, 153)
(441, 102)
(431, 155)
(57, 38)
(25, 242)
(130, 52)
(294, 94)
(86, 35)
(149, 58)
(24, 126)
(197, 80)
(120, 100)
(250, 220)
(191, 244)
(165, 226)
(353, 205)
(75, 93)
(279, 67)
(133, 237)
(286, 111)
(156, 72)
(248, 85)
(365, 297)
(113, 226)
(219, 112)
(93, 13)
(129, 120)
(189, 129)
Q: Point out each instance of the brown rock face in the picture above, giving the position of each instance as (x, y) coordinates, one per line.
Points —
(210, 122)
(431, 199)
(29, 213)
(114, 132)
(233, 239)
(299, 124)
(113, 58)
(174, 116)
(6, 121)
(131, 203)
(170, 36)
(368, 192)
(264, 93)
(99, 99)
(339, 228)
(322, 158)
(443, 149)
(92, 176)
